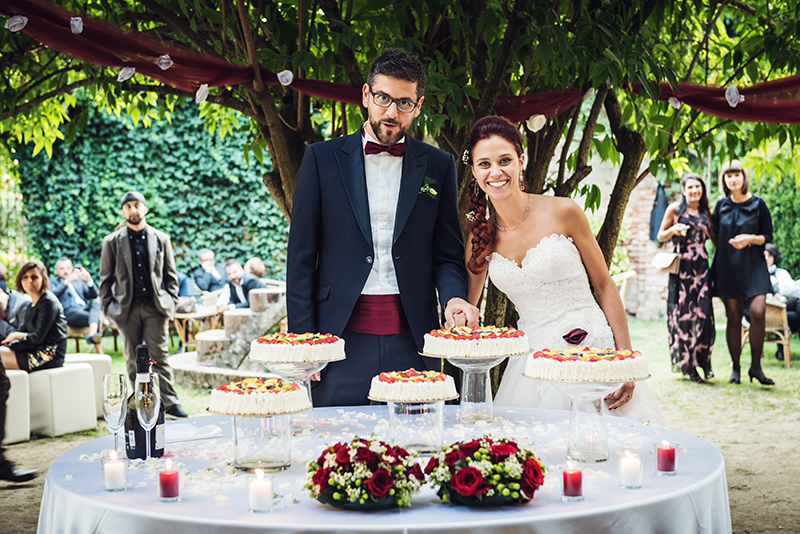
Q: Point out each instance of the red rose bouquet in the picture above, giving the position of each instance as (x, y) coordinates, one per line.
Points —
(364, 474)
(486, 472)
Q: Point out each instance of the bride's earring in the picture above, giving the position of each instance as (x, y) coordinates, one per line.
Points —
(521, 182)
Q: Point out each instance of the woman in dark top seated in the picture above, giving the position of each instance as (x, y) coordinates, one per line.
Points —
(41, 342)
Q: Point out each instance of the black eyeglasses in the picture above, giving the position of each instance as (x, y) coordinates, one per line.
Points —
(403, 104)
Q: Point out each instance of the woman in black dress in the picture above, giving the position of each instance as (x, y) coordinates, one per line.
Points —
(41, 343)
(743, 226)
(690, 315)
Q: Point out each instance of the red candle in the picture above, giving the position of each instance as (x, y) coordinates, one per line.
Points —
(573, 483)
(168, 483)
(666, 457)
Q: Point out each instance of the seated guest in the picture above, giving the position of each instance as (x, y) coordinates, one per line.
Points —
(13, 307)
(41, 343)
(785, 289)
(183, 285)
(78, 295)
(210, 276)
(255, 267)
(240, 284)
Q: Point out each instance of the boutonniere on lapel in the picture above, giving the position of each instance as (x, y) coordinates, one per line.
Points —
(427, 188)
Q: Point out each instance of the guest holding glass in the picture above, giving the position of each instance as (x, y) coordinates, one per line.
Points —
(41, 343)
(690, 315)
(785, 289)
(742, 224)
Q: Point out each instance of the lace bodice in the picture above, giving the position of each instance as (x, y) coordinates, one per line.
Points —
(550, 290)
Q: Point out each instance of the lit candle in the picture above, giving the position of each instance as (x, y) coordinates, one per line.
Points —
(665, 458)
(259, 494)
(572, 483)
(168, 483)
(114, 473)
(630, 470)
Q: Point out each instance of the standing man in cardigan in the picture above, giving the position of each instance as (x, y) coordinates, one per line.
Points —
(374, 236)
(139, 291)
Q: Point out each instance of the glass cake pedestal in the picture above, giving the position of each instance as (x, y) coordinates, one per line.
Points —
(587, 440)
(416, 426)
(299, 372)
(476, 386)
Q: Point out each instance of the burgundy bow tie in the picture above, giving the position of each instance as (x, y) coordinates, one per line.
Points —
(393, 150)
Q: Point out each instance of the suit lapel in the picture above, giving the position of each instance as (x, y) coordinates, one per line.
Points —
(124, 246)
(152, 247)
(351, 166)
(414, 165)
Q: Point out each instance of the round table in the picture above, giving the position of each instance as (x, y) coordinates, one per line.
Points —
(214, 499)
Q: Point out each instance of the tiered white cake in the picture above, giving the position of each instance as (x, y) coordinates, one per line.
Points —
(586, 364)
(478, 342)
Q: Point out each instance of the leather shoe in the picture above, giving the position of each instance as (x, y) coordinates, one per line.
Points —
(177, 412)
(779, 353)
(14, 474)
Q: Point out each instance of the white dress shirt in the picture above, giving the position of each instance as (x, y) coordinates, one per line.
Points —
(383, 190)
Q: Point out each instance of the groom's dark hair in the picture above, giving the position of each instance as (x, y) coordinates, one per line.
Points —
(398, 63)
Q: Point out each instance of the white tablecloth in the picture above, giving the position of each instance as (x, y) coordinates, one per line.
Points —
(215, 500)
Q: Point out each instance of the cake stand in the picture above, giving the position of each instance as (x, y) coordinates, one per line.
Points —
(418, 425)
(587, 440)
(476, 386)
(299, 372)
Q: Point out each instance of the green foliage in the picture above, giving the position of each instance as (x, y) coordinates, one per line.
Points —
(198, 188)
(773, 175)
(620, 262)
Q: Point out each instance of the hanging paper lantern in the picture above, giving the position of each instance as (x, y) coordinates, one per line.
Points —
(202, 94)
(125, 73)
(285, 77)
(733, 97)
(76, 25)
(16, 23)
(536, 122)
(674, 102)
(164, 62)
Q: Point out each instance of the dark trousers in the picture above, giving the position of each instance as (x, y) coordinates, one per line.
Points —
(347, 382)
(793, 314)
(83, 316)
(5, 386)
(146, 324)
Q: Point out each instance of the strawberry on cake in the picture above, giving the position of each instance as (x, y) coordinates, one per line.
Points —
(288, 347)
(412, 386)
(478, 342)
(587, 364)
(259, 396)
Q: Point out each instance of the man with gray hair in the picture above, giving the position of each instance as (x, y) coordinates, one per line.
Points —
(139, 291)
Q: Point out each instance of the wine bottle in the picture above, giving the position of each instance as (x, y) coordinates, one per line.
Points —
(135, 435)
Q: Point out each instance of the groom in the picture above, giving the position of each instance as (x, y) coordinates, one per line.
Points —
(374, 236)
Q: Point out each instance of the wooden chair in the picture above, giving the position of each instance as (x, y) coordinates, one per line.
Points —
(621, 279)
(776, 327)
(107, 328)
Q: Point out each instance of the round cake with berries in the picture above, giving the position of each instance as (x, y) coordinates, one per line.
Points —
(587, 364)
(288, 347)
(259, 396)
(412, 386)
(478, 342)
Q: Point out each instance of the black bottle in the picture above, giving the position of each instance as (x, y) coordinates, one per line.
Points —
(134, 433)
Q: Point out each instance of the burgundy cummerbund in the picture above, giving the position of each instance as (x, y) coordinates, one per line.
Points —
(379, 315)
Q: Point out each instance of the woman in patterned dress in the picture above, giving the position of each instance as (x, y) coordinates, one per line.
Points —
(690, 316)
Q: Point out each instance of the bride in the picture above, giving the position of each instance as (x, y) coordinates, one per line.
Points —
(539, 251)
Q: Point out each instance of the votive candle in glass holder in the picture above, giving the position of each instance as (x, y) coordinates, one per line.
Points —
(572, 483)
(115, 472)
(169, 483)
(259, 492)
(630, 470)
(666, 454)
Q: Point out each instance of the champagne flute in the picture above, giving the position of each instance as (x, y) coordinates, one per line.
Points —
(148, 401)
(115, 392)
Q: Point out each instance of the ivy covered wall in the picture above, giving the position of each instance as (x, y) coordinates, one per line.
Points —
(199, 190)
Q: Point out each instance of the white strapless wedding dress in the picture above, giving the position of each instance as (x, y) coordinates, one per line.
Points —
(551, 293)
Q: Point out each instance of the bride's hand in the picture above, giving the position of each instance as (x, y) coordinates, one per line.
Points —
(459, 312)
(621, 396)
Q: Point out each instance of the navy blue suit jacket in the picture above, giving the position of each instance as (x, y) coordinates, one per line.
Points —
(206, 282)
(248, 282)
(59, 288)
(330, 248)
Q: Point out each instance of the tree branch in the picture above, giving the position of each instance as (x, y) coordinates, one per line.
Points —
(32, 103)
(173, 20)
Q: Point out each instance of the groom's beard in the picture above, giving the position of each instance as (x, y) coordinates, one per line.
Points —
(387, 138)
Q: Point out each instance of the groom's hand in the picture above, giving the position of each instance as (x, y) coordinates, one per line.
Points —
(459, 312)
